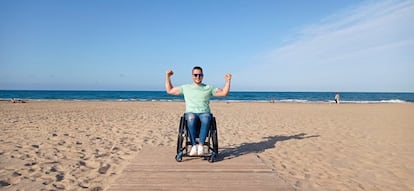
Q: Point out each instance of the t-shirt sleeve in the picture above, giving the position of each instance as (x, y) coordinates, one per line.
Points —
(181, 88)
(214, 91)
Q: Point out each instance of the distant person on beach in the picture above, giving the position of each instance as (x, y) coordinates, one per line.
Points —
(12, 100)
(337, 97)
(197, 102)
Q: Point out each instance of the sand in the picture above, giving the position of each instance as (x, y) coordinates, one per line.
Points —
(82, 145)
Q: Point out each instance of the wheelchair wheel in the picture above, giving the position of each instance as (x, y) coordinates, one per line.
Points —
(180, 140)
(214, 138)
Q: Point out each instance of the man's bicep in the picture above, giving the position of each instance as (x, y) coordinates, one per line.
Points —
(175, 91)
(219, 93)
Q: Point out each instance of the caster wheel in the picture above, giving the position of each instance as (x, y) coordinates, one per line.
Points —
(212, 158)
(179, 157)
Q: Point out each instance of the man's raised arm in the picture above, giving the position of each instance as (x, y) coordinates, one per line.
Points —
(169, 88)
(226, 89)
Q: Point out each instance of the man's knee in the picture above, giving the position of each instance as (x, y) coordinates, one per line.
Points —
(190, 116)
(206, 116)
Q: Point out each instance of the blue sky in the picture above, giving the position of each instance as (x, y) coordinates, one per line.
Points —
(267, 45)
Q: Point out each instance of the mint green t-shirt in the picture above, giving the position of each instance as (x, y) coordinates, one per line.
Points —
(197, 98)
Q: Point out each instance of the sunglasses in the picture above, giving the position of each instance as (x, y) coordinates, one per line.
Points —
(198, 75)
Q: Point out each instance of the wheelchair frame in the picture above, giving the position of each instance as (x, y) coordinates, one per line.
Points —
(183, 141)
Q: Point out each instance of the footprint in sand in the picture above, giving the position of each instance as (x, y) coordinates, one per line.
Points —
(4, 183)
(14, 179)
(90, 164)
(47, 181)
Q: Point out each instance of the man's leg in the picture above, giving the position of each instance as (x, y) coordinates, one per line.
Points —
(205, 119)
(191, 123)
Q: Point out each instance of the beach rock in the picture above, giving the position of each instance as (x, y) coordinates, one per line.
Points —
(104, 169)
(60, 177)
(82, 163)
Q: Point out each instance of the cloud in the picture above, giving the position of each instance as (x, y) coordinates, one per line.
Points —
(365, 48)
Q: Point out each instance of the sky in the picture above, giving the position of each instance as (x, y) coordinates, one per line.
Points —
(267, 45)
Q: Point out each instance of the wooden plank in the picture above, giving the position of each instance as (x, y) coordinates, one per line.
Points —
(159, 171)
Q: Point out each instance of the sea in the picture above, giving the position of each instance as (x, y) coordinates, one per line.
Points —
(234, 96)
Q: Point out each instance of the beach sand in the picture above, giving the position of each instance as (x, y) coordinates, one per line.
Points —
(82, 145)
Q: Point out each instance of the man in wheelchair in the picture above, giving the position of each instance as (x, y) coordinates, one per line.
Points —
(197, 103)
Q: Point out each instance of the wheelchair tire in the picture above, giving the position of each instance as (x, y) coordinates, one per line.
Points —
(214, 135)
(180, 139)
(214, 140)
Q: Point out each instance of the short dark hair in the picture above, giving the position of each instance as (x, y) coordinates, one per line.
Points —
(197, 68)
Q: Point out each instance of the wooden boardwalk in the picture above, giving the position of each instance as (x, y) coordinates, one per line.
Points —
(156, 169)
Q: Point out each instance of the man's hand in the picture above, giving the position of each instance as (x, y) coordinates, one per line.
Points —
(169, 73)
(228, 77)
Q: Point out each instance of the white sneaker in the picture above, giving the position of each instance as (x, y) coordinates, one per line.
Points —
(200, 149)
(193, 151)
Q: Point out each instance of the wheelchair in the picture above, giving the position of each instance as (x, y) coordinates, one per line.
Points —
(184, 143)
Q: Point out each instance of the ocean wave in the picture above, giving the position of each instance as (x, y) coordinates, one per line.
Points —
(293, 100)
(381, 101)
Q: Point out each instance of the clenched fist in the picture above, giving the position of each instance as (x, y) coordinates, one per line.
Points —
(227, 76)
(169, 73)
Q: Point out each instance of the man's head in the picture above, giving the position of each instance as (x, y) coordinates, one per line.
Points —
(197, 75)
